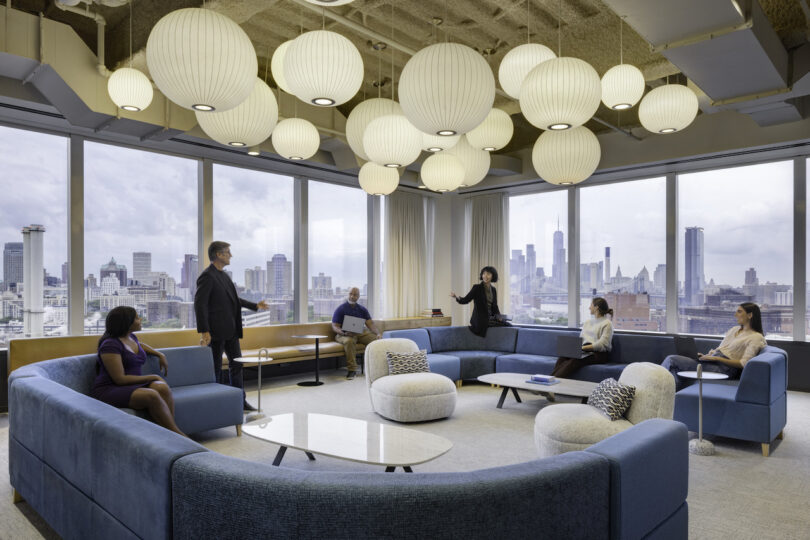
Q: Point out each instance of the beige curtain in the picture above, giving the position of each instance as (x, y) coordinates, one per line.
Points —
(489, 241)
(406, 260)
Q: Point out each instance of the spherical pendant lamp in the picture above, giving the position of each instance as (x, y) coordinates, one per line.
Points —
(475, 162)
(437, 143)
(446, 89)
(442, 172)
(566, 157)
(517, 64)
(130, 89)
(622, 87)
(362, 115)
(296, 139)
(493, 133)
(391, 141)
(668, 109)
(323, 68)
(560, 93)
(247, 124)
(201, 60)
(378, 180)
(277, 66)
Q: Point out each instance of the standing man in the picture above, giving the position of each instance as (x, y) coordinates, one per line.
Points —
(219, 314)
(349, 340)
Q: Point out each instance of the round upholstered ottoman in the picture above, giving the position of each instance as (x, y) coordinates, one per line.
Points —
(572, 426)
(413, 397)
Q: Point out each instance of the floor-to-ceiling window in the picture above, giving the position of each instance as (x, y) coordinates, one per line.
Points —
(538, 264)
(623, 251)
(33, 188)
(337, 247)
(735, 235)
(140, 236)
(254, 212)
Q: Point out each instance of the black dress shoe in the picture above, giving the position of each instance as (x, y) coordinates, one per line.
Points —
(248, 407)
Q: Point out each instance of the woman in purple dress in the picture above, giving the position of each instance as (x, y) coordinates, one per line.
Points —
(119, 381)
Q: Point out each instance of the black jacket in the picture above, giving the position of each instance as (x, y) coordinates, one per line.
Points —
(479, 322)
(217, 306)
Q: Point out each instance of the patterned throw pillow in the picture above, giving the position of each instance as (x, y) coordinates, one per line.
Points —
(612, 398)
(410, 362)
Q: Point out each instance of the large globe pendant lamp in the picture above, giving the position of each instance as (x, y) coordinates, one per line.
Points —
(247, 124)
(493, 133)
(442, 172)
(566, 157)
(329, 3)
(517, 64)
(668, 109)
(362, 115)
(475, 162)
(130, 89)
(277, 66)
(378, 180)
(560, 93)
(323, 68)
(296, 139)
(201, 60)
(446, 89)
(622, 87)
(437, 143)
(391, 141)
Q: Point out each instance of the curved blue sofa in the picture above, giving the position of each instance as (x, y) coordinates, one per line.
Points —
(93, 471)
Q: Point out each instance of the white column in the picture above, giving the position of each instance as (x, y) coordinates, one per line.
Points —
(36, 276)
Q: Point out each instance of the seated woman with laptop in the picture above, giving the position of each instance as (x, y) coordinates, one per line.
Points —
(739, 345)
(597, 340)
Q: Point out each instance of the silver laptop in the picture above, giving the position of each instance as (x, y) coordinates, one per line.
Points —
(356, 325)
(570, 347)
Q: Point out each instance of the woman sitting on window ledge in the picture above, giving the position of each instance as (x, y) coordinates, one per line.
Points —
(597, 339)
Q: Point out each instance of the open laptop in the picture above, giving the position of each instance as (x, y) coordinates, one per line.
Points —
(686, 346)
(570, 346)
(353, 324)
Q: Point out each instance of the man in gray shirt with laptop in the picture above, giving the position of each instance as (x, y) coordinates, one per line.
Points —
(352, 325)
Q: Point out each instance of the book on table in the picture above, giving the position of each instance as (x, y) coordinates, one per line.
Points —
(543, 383)
(544, 378)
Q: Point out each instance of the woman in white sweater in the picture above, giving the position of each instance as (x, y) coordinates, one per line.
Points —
(739, 345)
(597, 339)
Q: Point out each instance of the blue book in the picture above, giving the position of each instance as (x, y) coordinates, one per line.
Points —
(544, 383)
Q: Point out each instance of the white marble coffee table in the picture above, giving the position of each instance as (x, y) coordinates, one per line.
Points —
(348, 438)
(517, 381)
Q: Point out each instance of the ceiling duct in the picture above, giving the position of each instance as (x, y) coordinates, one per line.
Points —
(730, 51)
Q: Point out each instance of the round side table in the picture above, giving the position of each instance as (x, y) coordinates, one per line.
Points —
(262, 358)
(699, 446)
(317, 338)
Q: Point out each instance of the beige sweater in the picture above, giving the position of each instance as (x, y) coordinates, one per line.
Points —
(599, 332)
(740, 345)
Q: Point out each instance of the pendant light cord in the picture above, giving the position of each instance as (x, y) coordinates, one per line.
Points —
(621, 41)
(130, 32)
(393, 86)
(528, 21)
(559, 28)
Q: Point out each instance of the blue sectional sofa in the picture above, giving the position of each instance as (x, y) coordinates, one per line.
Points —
(93, 471)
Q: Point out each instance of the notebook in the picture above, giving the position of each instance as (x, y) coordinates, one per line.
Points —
(570, 347)
(353, 324)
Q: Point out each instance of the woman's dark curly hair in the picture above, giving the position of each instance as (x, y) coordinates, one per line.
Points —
(491, 270)
(119, 321)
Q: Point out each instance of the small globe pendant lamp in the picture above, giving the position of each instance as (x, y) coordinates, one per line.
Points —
(130, 89)
(323, 68)
(378, 180)
(474, 161)
(277, 66)
(391, 141)
(362, 115)
(442, 172)
(668, 109)
(566, 157)
(493, 133)
(518, 63)
(296, 139)
(247, 124)
(622, 85)
(437, 143)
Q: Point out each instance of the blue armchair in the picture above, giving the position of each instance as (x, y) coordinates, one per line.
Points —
(754, 409)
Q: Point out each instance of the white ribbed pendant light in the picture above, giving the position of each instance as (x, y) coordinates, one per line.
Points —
(247, 124)
(296, 139)
(446, 89)
(566, 157)
(378, 180)
(362, 115)
(323, 68)
(442, 172)
(668, 109)
(201, 60)
(392, 141)
(560, 93)
(517, 64)
(622, 87)
(130, 89)
(474, 161)
(493, 133)
(437, 143)
(329, 3)
(277, 66)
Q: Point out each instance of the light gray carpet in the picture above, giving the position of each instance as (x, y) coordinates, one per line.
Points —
(736, 494)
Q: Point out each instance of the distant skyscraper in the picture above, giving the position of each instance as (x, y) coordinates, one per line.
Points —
(607, 265)
(751, 277)
(660, 278)
(559, 269)
(12, 264)
(65, 272)
(188, 273)
(322, 286)
(694, 278)
(256, 279)
(114, 269)
(531, 266)
(141, 265)
(279, 276)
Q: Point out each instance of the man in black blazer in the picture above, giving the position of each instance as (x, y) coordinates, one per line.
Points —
(219, 314)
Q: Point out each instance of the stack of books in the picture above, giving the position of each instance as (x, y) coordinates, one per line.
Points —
(543, 379)
(435, 312)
